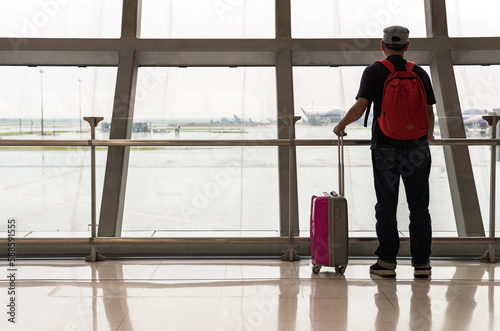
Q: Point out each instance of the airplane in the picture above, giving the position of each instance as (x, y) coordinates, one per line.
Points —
(322, 115)
(325, 115)
(238, 120)
(473, 119)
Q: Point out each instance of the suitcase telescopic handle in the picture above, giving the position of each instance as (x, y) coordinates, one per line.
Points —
(341, 161)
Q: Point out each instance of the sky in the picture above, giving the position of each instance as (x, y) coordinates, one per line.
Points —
(220, 92)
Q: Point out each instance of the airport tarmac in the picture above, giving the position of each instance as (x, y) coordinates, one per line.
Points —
(212, 191)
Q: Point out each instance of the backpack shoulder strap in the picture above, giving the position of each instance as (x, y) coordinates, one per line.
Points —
(388, 64)
(409, 66)
(367, 114)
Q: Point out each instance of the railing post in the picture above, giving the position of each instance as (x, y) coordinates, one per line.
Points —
(489, 255)
(290, 120)
(497, 111)
(94, 254)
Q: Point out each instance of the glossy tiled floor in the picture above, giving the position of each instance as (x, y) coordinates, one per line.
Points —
(219, 295)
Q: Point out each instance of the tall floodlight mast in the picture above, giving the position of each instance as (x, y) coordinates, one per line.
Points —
(41, 100)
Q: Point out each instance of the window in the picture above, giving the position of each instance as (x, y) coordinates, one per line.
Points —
(217, 191)
(58, 97)
(61, 19)
(478, 90)
(48, 187)
(479, 93)
(473, 18)
(322, 96)
(206, 103)
(206, 191)
(343, 19)
(207, 19)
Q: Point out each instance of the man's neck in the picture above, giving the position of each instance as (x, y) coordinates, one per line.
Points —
(391, 53)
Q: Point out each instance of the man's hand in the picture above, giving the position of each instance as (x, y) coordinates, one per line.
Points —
(338, 129)
(352, 115)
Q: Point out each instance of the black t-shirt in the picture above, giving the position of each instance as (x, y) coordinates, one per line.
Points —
(372, 88)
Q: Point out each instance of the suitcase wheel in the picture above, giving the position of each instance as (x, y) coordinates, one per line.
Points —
(340, 269)
(316, 269)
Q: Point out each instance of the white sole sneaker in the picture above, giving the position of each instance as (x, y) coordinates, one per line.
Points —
(388, 273)
(421, 273)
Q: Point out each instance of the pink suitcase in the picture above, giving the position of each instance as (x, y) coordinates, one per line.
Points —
(329, 226)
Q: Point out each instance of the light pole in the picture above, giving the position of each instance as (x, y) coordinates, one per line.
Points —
(80, 101)
(41, 98)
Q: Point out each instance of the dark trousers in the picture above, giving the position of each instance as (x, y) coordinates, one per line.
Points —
(413, 165)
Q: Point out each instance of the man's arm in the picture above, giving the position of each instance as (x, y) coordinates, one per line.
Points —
(431, 119)
(352, 115)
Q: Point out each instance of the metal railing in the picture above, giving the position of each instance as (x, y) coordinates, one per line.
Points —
(94, 239)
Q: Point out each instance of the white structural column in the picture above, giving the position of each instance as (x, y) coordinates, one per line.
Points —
(284, 83)
(115, 180)
(457, 158)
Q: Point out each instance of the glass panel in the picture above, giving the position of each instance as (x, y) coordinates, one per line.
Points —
(322, 96)
(48, 188)
(61, 19)
(473, 18)
(318, 173)
(343, 19)
(208, 19)
(441, 206)
(481, 167)
(206, 103)
(202, 191)
(60, 96)
(479, 93)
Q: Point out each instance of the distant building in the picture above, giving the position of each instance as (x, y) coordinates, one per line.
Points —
(136, 127)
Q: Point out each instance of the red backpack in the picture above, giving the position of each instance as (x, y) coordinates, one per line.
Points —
(404, 104)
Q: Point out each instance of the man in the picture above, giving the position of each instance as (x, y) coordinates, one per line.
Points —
(393, 159)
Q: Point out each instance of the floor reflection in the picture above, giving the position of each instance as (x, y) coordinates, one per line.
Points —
(380, 299)
(460, 300)
(101, 273)
(421, 304)
(220, 295)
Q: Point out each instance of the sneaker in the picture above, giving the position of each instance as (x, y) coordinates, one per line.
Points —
(422, 272)
(381, 271)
